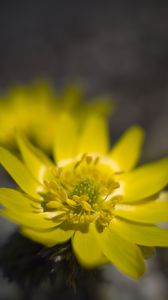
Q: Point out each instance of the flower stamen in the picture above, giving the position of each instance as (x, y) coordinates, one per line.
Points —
(82, 192)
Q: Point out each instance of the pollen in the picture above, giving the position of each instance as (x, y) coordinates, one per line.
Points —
(87, 187)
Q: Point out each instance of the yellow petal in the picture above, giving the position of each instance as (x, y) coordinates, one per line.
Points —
(87, 250)
(94, 138)
(150, 212)
(126, 256)
(20, 174)
(36, 161)
(101, 105)
(48, 238)
(127, 151)
(15, 200)
(32, 220)
(71, 98)
(146, 235)
(66, 137)
(145, 181)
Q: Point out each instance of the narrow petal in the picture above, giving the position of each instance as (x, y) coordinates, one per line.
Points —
(66, 137)
(127, 151)
(126, 256)
(87, 250)
(94, 138)
(145, 181)
(31, 220)
(151, 212)
(15, 200)
(71, 98)
(36, 161)
(48, 238)
(146, 235)
(20, 174)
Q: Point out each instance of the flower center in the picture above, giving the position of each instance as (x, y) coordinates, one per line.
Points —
(82, 191)
(88, 188)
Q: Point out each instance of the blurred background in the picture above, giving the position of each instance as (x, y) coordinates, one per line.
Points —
(117, 48)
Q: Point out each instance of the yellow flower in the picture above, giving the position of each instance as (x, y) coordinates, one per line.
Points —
(91, 195)
(33, 110)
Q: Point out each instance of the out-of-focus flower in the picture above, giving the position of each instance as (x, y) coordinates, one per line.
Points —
(33, 110)
(91, 195)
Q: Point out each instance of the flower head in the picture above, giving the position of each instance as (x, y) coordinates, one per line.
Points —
(91, 195)
(34, 110)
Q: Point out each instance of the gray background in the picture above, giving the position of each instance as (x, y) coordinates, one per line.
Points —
(119, 48)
